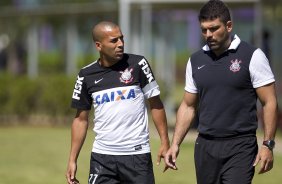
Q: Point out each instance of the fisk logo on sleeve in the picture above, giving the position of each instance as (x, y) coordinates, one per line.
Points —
(77, 88)
(146, 70)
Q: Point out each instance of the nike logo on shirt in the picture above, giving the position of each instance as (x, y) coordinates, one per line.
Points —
(199, 67)
(97, 81)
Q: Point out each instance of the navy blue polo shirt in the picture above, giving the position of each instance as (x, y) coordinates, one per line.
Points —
(226, 88)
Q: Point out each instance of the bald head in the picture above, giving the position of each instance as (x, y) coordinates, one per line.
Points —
(102, 27)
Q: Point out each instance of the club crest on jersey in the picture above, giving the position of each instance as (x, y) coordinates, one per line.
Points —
(126, 76)
(235, 66)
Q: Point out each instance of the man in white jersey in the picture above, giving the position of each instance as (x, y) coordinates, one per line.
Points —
(117, 85)
(224, 79)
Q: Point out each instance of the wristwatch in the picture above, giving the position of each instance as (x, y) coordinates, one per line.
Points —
(269, 144)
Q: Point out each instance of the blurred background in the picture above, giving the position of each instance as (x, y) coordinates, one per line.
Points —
(44, 43)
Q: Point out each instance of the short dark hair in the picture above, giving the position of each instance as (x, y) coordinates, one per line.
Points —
(215, 9)
(97, 31)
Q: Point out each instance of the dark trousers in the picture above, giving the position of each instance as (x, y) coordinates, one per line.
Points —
(225, 161)
(127, 169)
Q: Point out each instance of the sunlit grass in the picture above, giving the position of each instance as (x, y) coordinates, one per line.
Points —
(39, 156)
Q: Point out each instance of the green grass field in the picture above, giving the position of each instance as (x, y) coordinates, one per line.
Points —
(39, 156)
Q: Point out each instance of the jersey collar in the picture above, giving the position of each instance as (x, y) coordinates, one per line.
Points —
(233, 46)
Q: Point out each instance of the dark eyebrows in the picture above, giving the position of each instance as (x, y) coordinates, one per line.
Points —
(116, 38)
(211, 28)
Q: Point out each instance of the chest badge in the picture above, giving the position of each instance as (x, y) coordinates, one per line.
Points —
(235, 66)
(126, 76)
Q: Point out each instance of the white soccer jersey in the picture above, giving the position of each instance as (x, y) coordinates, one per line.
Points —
(118, 95)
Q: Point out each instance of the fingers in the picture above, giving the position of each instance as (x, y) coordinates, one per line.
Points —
(70, 174)
(71, 179)
(173, 158)
(158, 160)
(159, 157)
(169, 156)
(68, 177)
(167, 162)
(173, 164)
(257, 160)
(75, 181)
(265, 157)
(265, 166)
(262, 167)
(162, 152)
(170, 161)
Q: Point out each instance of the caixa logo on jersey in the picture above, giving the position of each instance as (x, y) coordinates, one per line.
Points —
(77, 88)
(146, 70)
(116, 95)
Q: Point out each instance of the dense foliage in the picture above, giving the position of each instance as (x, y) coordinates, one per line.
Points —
(50, 95)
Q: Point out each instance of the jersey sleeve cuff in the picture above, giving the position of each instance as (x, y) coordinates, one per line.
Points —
(80, 107)
(190, 90)
(260, 84)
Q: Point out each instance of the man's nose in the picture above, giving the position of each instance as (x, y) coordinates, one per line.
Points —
(120, 43)
(209, 34)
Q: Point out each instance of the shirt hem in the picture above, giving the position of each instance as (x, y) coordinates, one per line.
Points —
(264, 83)
(121, 153)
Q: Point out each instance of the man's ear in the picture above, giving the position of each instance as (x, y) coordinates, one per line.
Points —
(98, 45)
(229, 26)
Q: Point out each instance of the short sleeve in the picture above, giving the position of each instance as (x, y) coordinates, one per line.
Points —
(80, 97)
(148, 83)
(189, 81)
(260, 70)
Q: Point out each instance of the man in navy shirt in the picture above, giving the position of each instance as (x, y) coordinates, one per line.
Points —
(223, 81)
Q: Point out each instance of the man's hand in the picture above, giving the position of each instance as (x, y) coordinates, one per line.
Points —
(162, 152)
(170, 157)
(70, 174)
(265, 157)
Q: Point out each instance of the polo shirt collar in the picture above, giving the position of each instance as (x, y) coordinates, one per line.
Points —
(233, 46)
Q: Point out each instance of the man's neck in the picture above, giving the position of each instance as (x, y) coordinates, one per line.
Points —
(106, 63)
